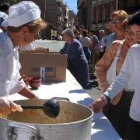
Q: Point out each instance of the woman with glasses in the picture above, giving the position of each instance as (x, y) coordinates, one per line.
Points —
(118, 19)
(23, 25)
(117, 110)
(129, 71)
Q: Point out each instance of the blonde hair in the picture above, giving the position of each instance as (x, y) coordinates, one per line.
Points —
(33, 26)
(120, 13)
(122, 16)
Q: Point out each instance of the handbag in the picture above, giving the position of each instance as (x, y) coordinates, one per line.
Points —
(111, 75)
(111, 72)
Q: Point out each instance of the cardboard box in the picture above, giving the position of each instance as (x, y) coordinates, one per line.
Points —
(55, 65)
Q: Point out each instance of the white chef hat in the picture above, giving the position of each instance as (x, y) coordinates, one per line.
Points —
(22, 13)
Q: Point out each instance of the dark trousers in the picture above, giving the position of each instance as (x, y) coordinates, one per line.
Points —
(132, 130)
(118, 114)
(87, 53)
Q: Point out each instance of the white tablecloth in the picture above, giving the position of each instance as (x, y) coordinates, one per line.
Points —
(101, 127)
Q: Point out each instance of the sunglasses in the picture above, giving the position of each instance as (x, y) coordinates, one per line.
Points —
(116, 21)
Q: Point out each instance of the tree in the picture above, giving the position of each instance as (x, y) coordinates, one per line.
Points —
(11, 2)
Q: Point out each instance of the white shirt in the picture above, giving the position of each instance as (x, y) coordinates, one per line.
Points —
(9, 67)
(1, 30)
(85, 41)
(130, 69)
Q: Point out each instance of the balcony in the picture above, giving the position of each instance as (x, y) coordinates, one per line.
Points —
(94, 2)
(59, 3)
(59, 23)
(66, 17)
(80, 4)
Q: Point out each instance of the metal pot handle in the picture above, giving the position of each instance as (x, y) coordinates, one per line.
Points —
(12, 135)
(61, 98)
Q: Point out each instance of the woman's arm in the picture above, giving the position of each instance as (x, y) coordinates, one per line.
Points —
(103, 65)
(27, 93)
(117, 86)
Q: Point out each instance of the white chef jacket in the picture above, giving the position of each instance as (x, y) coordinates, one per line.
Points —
(9, 67)
(130, 69)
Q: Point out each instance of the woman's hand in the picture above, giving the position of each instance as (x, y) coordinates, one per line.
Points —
(97, 105)
(7, 106)
(14, 107)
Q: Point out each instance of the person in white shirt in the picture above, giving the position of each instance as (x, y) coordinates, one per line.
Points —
(130, 70)
(4, 8)
(3, 16)
(87, 45)
(23, 25)
(99, 47)
(94, 53)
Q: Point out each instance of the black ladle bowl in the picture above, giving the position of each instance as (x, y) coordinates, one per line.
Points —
(51, 108)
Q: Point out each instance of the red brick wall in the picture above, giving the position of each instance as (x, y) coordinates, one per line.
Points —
(100, 12)
(94, 15)
(107, 8)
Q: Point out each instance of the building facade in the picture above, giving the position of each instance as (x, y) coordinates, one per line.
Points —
(101, 10)
(82, 12)
(56, 15)
(94, 13)
(130, 6)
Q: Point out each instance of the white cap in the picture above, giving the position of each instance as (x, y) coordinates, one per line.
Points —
(22, 13)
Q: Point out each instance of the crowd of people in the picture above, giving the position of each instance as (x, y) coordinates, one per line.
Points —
(114, 55)
(84, 49)
(120, 99)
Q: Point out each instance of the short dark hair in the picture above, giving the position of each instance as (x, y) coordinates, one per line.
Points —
(85, 32)
(134, 19)
(75, 31)
(109, 19)
(91, 30)
(4, 6)
(77, 27)
(81, 26)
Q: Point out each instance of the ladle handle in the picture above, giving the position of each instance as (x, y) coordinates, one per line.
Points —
(32, 107)
(61, 98)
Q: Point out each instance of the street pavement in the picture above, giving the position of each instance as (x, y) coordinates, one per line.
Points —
(94, 90)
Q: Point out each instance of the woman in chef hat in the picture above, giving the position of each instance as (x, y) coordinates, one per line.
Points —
(23, 26)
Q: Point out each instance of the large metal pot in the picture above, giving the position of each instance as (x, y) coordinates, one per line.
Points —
(73, 123)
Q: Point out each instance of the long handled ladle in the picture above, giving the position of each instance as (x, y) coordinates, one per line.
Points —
(51, 108)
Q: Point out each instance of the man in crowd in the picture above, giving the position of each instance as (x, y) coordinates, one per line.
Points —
(77, 62)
